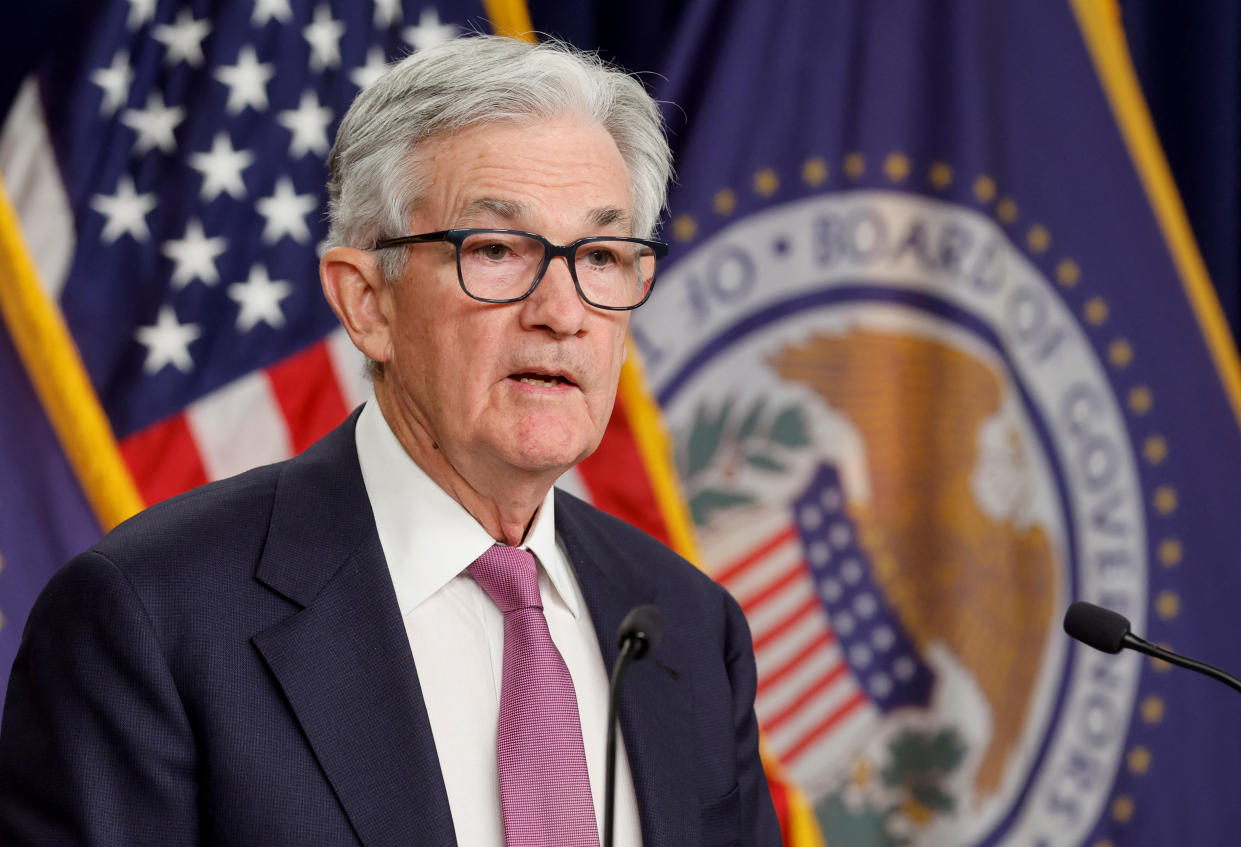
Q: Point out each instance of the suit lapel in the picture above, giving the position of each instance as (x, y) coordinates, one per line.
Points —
(344, 660)
(654, 709)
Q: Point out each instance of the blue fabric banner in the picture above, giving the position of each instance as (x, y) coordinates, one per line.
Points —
(44, 517)
(925, 249)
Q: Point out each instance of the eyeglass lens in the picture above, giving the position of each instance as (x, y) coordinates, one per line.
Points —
(501, 266)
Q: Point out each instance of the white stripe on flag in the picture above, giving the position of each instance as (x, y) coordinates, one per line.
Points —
(33, 184)
(788, 734)
(784, 604)
(765, 571)
(239, 427)
(808, 673)
(774, 654)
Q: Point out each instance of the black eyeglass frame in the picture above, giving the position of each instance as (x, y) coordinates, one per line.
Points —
(568, 252)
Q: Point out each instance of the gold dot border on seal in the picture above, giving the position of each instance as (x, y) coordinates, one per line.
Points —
(985, 194)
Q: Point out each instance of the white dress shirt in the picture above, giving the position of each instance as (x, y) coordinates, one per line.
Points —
(457, 634)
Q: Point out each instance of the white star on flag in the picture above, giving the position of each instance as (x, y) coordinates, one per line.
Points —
(387, 12)
(308, 123)
(115, 81)
(286, 211)
(154, 124)
(259, 298)
(140, 11)
(167, 342)
(183, 39)
(265, 10)
(324, 34)
(221, 168)
(247, 81)
(194, 256)
(376, 64)
(429, 31)
(126, 211)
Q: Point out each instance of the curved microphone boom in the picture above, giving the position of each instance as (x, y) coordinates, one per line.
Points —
(1108, 631)
(638, 634)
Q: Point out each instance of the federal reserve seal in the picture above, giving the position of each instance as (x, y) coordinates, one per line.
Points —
(904, 457)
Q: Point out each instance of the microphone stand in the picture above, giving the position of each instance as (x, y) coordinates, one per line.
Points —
(629, 648)
(638, 635)
(1134, 642)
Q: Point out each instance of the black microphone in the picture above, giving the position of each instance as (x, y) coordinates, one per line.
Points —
(638, 634)
(1108, 631)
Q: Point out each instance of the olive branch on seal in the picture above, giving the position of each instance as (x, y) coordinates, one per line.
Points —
(724, 441)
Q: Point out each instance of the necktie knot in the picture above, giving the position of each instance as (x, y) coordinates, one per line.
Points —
(510, 577)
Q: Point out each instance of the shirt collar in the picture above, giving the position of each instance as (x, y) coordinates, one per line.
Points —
(428, 537)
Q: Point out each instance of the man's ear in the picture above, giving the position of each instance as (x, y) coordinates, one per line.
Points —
(356, 290)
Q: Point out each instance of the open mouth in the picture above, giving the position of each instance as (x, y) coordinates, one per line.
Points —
(542, 380)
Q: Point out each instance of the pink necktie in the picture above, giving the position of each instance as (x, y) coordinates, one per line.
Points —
(544, 786)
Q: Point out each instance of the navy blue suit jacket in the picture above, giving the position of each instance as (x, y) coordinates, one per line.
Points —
(230, 667)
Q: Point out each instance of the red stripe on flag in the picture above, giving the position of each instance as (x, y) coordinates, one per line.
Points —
(616, 477)
(799, 702)
(795, 617)
(817, 732)
(776, 587)
(310, 399)
(730, 572)
(163, 459)
(769, 680)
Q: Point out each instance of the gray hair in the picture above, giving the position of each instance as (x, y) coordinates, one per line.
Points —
(376, 177)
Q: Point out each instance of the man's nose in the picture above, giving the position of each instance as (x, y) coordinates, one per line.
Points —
(555, 303)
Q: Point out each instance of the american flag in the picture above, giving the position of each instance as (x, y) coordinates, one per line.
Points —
(832, 654)
(168, 167)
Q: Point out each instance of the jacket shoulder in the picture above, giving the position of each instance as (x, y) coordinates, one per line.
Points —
(230, 519)
(650, 559)
(212, 517)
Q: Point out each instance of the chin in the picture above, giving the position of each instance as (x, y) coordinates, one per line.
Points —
(547, 461)
(552, 451)
(552, 443)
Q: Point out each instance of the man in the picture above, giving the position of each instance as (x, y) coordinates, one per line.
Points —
(328, 650)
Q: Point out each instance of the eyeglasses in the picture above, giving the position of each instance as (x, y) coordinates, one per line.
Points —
(506, 265)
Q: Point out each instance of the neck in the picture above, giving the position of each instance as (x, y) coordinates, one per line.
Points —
(503, 500)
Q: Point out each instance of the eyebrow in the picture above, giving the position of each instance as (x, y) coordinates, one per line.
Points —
(611, 217)
(506, 209)
(511, 211)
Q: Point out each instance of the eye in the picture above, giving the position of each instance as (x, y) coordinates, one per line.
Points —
(600, 257)
(493, 250)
